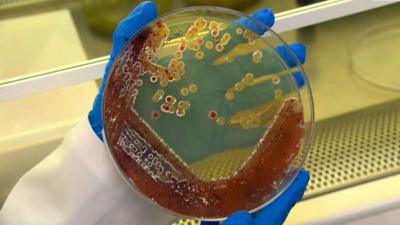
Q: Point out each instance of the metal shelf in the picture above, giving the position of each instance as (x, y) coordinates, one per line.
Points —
(93, 69)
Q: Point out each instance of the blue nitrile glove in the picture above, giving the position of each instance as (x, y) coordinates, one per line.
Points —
(138, 18)
(143, 14)
(276, 212)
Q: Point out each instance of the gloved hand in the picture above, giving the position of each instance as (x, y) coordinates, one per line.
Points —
(276, 212)
(138, 18)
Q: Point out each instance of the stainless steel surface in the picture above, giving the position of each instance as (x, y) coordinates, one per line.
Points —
(390, 217)
(355, 148)
(8, 4)
(372, 43)
(357, 137)
(335, 88)
(285, 21)
(93, 43)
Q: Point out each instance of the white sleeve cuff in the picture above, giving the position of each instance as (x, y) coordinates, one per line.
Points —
(78, 184)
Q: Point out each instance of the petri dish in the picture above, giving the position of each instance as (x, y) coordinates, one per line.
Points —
(377, 41)
(206, 112)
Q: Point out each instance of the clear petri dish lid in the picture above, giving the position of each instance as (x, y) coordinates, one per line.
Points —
(206, 112)
(375, 57)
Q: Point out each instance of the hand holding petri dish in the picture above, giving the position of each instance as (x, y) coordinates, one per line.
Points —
(203, 115)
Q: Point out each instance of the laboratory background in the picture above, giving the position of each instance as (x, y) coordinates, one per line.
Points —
(53, 54)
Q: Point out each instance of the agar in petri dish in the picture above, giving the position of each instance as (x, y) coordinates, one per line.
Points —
(216, 123)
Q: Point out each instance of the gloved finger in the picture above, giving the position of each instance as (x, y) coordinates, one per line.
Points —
(299, 51)
(265, 16)
(276, 212)
(239, 218)
(299, 78)
(138, 18)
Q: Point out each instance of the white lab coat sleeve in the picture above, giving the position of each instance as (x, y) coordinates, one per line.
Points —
(78, 184)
